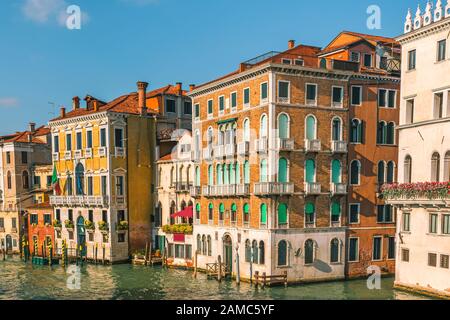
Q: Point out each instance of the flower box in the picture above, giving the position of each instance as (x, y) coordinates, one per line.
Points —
(420, 190)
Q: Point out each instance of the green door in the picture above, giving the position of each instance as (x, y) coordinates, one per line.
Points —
(310, 171)
(228, 252)
(282, 214)
(264, 214)
(310, 128)
(336, 171)
(283, 125)
(282, 170)
(81, 235)
(161, 243)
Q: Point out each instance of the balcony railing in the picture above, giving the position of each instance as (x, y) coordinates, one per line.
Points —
(286, 144)
(262, 145)
(89, 201)
(120, 152)
(230, 150)
(243, 189)
(55, 156)
(244, 148)
(102, 152)
(312, 188)
(195, 192)
(78, 154)
(339, 147)
(88, 153)
(208, 153)
(181, 187)
(219, 152)
(338, 189)
(313, 145)
(273, 188)
(207, 191)
(68, 155)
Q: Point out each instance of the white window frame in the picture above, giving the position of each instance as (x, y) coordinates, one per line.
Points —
(371, 60)
(342, 97)
(221, 112)
(233, 108)
(210, 115)
(263, 100)
(196, 105)
(302, 64)
(286, 61)
(284, 100)
(306, 94)
(359, 56)
(359, 212)
(357, 250)
(246, 105)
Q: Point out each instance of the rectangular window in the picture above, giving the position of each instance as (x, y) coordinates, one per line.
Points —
(409, 117)
(367, 60)
(8, 157)
(383, 63)
(119, 185)
(246, 96)
(104, 186)
(91, 215)
(286, 61)
(432, 259)
(14, 223)
(441, 51)
(79, 141)
(121, 237)
(56, 144)
(438, 111)
(70, 215)
(58, 214)
(105, 216)
(210, 107)
(392, 95)
(90, 186)
(406, 225)
(170, 106)
(444, 261)
(377, 247)
(311, 94)
(170, 250)
(89, 139)
(221, 103)
(264, 91)
(433, 223)
(188, 252)
(446, 224)
(121, 216)
(233, 100)
(354, 213)
(355, 56)
(34, 219)
(197, 110)
(47, 219)
(37, 181)
(283, 91)
(299, 62)
(382, 98)
(118, 138)
(338, 96)
(384, 214)
(405, 255)
(24, 157)
(103, 137)
(353, 250)
(187, 108)
(179, 251)
(391, 248)
(68, 142)
(2, 223)
(356, 96)
(412, 60)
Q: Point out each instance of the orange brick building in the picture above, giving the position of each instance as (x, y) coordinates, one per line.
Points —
(40, 227)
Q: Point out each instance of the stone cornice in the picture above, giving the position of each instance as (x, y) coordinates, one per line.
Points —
(424, 31)
(76, 120)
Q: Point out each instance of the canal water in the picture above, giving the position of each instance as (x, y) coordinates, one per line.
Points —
(22, 281)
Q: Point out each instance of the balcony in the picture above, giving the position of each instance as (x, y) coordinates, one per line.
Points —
(88, 153)
(243, 190)
(119, 152)
(102, 152)
(339, 147)
(55, 156)
(195, 156)
(273, 188)
(78, 154)
(207, 191)
(120, 200)
(68, 155)
(262, 145)
(244, 148)
(182, 187)
(286, 144)
(230, 150)
(312, 188)
(219, 152)
(88, 201)
(338, 189)
(195, 192)
(313, 146)
(208, 154)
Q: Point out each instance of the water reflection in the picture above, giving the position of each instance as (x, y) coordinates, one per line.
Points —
(123, 282)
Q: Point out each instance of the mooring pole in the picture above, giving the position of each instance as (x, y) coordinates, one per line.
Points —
(96, 252)
(219, 274)
(103, 260)
(238, 275)
(195, 263)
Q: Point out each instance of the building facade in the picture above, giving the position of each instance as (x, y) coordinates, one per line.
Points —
(422, 199)
(104, 155)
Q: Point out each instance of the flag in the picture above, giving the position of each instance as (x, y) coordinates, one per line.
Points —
(55, 181)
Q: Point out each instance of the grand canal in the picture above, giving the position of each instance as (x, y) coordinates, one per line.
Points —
(24, 281)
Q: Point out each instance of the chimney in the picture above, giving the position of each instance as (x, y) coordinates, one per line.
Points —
(30, 138)
(291, 44)
(191, 87)
(76, 103)
(142, 99)
(62, 112)
(180, 88)
(242, 67)
(32, 127)
(95, 103)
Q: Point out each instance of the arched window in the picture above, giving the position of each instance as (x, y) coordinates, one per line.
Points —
(199, 244)
(233, 212)
(221, 211)
(310, 171)
(263, 214)
(309, 251)
(219, 174)
(283, 170)
(173, 208)
(246, 212)
(263, 127)
(197, 141)
(211, 212)
(9, 180)
(390, 132)
(210, 137)
(158, 215)
(238, 173)
(382, 133)
(79, 179)
(246, 130)
(255, 251)
(447, 166)
(435, 167)
(197, 211)
(210, 175)
(390, 175)
(25, 180)
(263, 171)
(232, 170)
(310, 128)
(188, 176)
(336, 211)
(355, 172)
(407, 178)
(261, 252)
(283, 126)
(336, 171)
(334, 251)
(336, 130)
(282, 215)
(197, 176)
(247, 172)
(248, 251)
(209, 246)
(310, 213)
(381, 172)
(282, 253)
(226, 174)
(204, 246)
(183, 205)
(180, 174)
(356, 131)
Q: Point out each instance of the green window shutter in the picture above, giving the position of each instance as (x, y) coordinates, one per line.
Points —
(283, 125)
(310, 208)
(226, 170)
(282, 171)
(221, 103)
(233, 100)
(263, 214)
(247, 172)
(210, 175)
(336, 171)
(282, 213)
(234, 207)
(246, 96)
(197, 176)
(264, 94)
(310, 171)
(246, 208)
(221, 208)
(263, 171)
(210, 107)
(311, 128)
(335, 209)
(197, 110)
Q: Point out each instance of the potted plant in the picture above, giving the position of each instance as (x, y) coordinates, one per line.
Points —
(57, 224)
(89, 225)
(69, 224)
(122, 226)
(103, 226)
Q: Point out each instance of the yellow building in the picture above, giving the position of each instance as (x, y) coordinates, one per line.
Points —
(103, 155)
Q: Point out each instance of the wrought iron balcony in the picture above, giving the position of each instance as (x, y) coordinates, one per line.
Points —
(262, 145)
(312, 188)
(313, 145)
(244, 148)
(286, 144)
(182, 187)
(273, 188)
(339, 147)
(338, 189)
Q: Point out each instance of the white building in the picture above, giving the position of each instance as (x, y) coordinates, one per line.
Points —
(424, 153)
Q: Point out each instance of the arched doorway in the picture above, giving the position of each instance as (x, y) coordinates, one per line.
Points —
(81, 235)
(228, 252)
(8, 243)
(79, 179)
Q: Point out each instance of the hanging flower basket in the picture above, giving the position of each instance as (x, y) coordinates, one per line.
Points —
(103, 227)
(122, 226)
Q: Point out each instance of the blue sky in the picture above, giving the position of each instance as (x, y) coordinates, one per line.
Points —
(159, 41)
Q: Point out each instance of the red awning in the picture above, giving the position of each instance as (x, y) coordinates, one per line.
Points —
(186, 213)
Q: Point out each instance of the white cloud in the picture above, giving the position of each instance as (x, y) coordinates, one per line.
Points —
(44, 11)
(8, 102)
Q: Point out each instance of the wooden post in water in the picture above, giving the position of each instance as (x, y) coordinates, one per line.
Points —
(285, 279)
(256, 278)
(219, 273)
(195, 263)
(238, 275)
(264, 280)
(103, 259)
(96, 252)
(146, 253)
